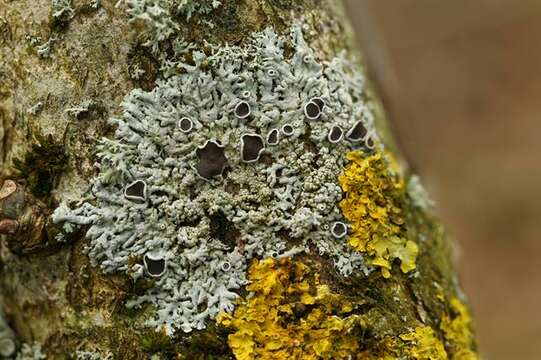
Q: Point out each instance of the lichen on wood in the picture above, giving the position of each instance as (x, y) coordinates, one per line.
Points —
(295, 234)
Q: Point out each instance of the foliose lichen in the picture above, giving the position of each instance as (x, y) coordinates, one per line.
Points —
(61, 8)
(457, 328)
(290, 315)
(282, 204)
(159, 15)
(31, 352)
(423, 343)
(374, 203)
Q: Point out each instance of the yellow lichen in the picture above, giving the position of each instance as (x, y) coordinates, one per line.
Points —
(290, 315)
(419, 344)
(374, 204)
(424, 344)
(457, 329)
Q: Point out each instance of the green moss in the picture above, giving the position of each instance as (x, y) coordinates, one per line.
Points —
(157, 342)
(42, 166)
(210, 344)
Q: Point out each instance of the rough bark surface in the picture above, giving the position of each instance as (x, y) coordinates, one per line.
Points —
(54, 106)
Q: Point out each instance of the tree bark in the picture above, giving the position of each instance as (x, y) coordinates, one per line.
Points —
(66, 68)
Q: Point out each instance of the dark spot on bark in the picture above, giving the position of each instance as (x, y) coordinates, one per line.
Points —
(224, 230)
(266, 159)
(42, 167)
(300, 310)
(143, 67)
(158, 342)
(5, 31)
(232, 187)
(210, 343)
(229, 20)
(60, 23)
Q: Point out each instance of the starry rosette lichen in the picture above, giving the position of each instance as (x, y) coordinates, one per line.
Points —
(243, 139)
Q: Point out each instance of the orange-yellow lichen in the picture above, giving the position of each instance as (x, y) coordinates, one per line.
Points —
(374, 204)
(423, 344)
(290, 315)
(420, 344)
(457, 329)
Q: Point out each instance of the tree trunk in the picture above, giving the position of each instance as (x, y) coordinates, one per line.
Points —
(208, 180)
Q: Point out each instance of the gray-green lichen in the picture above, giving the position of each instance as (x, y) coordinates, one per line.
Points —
(61, 8)
(236, 157)
(36, 109)
(418, 193)
(84, 107)
(31, 352)
(80, 307)
(159, 15)
(92, 355)
(95, 4)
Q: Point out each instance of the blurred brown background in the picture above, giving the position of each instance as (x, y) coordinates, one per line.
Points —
(461, 81)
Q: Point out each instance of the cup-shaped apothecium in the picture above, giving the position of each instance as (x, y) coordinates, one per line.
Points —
(212, 160)
(339, 229)
(185, 124)
(335, 134)
(251, 147)
(136, 191)
(288, 130)
(357, 132)
(243, 110)
(311, 110)
(155, 264)
(273, 137)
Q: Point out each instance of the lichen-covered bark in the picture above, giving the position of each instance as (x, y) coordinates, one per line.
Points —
(65, 68)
